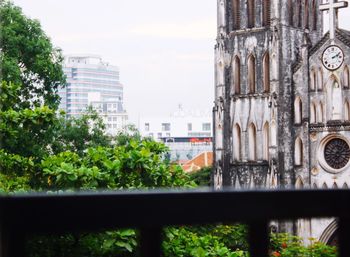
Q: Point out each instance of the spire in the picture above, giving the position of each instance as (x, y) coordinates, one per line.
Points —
(332, 6)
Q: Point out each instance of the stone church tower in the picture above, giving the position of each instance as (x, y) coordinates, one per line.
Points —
(282, 99)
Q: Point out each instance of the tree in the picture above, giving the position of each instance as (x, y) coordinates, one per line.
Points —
(28, 58)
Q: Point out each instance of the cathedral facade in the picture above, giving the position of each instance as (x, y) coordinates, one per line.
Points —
(282, 99)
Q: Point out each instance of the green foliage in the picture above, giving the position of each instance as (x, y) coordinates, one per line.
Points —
(202, 177)
(285, 245)
(76, 134)
(28, 58)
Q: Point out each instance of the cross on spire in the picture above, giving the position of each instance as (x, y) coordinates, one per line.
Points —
(332, 6)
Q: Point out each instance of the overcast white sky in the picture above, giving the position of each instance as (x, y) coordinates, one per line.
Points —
(164, 48)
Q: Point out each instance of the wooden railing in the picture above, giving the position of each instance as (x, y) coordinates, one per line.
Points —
(150, 211)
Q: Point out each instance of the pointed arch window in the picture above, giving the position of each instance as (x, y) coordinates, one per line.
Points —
(251, 13)
(346, 111)
(306, 14)
(324, 186)
(251, 74)
(314, 15)
(346, 77)
(298, 152)
(252, 142)
(266, 13)
(237, 143)
(319, 79)
(266, 139)
(298, 13)
(298, 110)
(320, 113)
(345, 186)
(313, 115)
(313, 80)
(266, 71)
(237, 75)
(335, 186)
(291, 12)
(299, 183)
(236, 14)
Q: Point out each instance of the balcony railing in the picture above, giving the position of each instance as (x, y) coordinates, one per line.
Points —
(22, 216)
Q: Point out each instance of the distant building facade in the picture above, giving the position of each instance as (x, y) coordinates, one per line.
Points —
(187, 133)
(92, 82)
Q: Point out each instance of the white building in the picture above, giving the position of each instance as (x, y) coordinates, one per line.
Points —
(92, 82)
(187, 133)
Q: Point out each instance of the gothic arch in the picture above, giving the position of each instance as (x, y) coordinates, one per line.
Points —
(291, 13)
(299, 183)
(251, 74)
(320, 79)
(266, 72)
(320, 114)
(266, 141)
(346, 77)
(273, 137)
(266, 13)
(313, 113)
(324, 186)
(298, 152)
(314, 15)
(345, 186)
(306, 14)
(252, 142)
(329, 233)
(237, 75)
(251, 13)
(313, 79)
(236, 14)
(335, 186)
(298, 110)
(346, 110)
(314, 186)
(237, 143)
(298, 13)
(334, 98)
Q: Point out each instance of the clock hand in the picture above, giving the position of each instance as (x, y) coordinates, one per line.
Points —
(335, 55)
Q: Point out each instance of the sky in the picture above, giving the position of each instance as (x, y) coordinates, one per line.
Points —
(164, 49)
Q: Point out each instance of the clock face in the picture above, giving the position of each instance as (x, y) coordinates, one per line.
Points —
(332, 57)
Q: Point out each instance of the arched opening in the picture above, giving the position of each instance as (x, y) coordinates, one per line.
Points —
(306, 14)
(251, 13)
(273, 139)
(330, 234)
(335, 186)
(266, 141)
(319, 79)
(313, 113)
(251, 74)
(266, 13)
(266, 72)
(252, 142)
(237, 75)
(298, 13)
(313, 80)
(237, 143)
(346, 76)
(345, 186)
(314, 15)
(314, 186)
(319, 114)
(291, 13)
(346, 111)
(324, 186)
(298, 152)
(236, 14)
(298, 108)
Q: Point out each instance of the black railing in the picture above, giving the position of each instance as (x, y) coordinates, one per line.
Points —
(25, 215)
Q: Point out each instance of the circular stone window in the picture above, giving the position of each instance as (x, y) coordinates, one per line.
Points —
(337, 153)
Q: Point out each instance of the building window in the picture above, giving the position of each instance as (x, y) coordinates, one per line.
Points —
(320, 79)
(298, 152)
(236, 14)
(189, 126)
(298, 13)
(237, 75)
(266, 13)
(346, 77)
(298, 110)
(319, 114)
(150, 134)
(251, 13)
(266, 141)
(313, 80)
(159, 135)
(291, 13)
(167, 134)
(252, 142)
(251, 74)
(314, 15)
(266, 71)
(146, 126)
(313, 109)
(206, 126)
(165, 126)
(346, 111)
(237, 143)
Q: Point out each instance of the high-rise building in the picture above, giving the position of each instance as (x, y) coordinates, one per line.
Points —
(92, 82)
